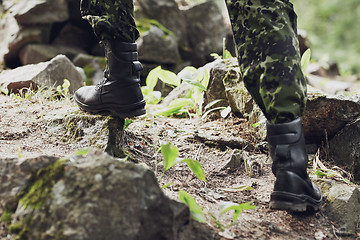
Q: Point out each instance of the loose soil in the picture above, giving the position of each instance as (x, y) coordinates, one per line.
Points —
(23, 133)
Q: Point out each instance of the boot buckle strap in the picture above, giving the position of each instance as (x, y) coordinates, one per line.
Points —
(137, 66)
(282, 151)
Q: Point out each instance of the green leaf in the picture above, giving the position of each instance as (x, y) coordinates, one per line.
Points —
(152, 78)
(66, 84)
(215, 56)
(195, 210)
(167, 185)
(195, 83)
(81, 152)
(227, 54)
(195, 77)
(212, 103)
(205, 81)
(188, 73)
(5, 91)
(305, 59)
(256, 125)
(168, 77)
(211, 110)
(238, 189)
(170, 154)
(174, 107)
(196, 168)
(224, 113)
(127, 123)
(320, 173)
(238, 208)
(20, 154)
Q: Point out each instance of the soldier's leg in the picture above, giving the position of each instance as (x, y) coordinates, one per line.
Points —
(269, 58)
(265, 34)
(119, 93)
(111, 19)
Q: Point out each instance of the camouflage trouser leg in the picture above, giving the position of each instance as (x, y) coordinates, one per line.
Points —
(266, 36)
(111, 19)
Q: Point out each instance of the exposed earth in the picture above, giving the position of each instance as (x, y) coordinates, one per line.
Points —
(24, 134)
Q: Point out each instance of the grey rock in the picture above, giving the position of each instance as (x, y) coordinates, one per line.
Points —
(344, 204)
(345, 148)
(226, 83)
(236, 160)
(205, 32)
(36, 53)
(166, 12)
(253, 165)
(48, 74)
(326, 115)
(178, 92)
(155, 46)
(77, 36)
(37, 11)
(14, 177)
(93, 66)
(13, 37)
(95, 196)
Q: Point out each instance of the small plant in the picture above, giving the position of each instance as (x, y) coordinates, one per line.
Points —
(225, 111)
(322, 172)
(195, 210)
(81, 152)
(238, 208)
(171, 153)
(198, 79)
(305, 60)
(64, 88)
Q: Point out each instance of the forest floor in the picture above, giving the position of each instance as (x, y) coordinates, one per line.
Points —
(23, 134)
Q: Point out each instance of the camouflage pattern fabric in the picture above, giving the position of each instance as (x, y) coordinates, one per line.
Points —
(265, 32)
(266, 36)
(111, 19)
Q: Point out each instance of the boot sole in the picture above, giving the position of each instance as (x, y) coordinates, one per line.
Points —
(123, 111)
(294, 203)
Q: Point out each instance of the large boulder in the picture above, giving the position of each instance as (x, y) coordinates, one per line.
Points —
(166, 12)
(90, 196)
(47, 74)
(13, 37)
(93, 67)
(157, 46)
(36, 53)
(24, 22)
(343, 206)
(205, 32)
(344, 148)
(326, 115)
(226, 84)
(37, 11)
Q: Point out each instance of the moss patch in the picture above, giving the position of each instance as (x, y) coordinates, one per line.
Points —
(6, 216)
(41, 185)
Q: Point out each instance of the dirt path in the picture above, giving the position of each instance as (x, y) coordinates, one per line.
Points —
(23, 133)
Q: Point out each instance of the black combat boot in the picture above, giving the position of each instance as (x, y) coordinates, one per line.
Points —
(119, 92)
(293, 190)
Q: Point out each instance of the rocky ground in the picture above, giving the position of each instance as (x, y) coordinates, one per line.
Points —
(28, 128)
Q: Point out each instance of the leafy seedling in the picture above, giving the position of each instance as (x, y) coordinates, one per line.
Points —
(171, 153)
(238, 208)
(195, 210)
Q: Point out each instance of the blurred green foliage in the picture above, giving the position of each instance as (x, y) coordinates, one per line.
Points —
(333, 31)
